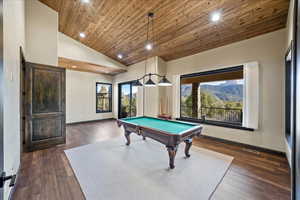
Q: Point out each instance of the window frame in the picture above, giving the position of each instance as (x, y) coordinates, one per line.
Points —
(110, 98)
(211, 122)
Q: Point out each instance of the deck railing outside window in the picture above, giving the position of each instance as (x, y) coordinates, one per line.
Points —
(228, 115)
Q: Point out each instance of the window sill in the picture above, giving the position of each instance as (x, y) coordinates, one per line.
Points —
(103, 111)
(216, 123)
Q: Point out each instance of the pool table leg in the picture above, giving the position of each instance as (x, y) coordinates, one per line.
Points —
(127, 135)
(188, 144)
(172, 153)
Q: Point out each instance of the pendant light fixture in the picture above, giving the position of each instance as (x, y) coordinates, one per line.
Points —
(164, 82)
(149, 45)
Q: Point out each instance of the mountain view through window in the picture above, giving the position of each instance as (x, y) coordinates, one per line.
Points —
(220, 101)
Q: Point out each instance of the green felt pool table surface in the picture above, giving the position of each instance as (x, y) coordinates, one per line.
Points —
(173, 127)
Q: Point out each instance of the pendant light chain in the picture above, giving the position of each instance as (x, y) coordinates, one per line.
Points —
(147, 39)
(149, 46)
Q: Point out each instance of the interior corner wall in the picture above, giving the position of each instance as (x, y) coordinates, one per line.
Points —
(151, 94)
(81, 96)
(268, 50)
(164, 100)
(13, 37)
(41, 26)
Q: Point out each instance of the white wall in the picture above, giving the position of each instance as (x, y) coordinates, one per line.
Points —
(81, 96)
(72, 49)
(268, 50)
(41, 33)
(14, 37)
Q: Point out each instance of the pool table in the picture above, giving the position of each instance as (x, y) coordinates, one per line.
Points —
(168, 132)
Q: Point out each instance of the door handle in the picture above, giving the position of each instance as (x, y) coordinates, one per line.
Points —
(5, 178)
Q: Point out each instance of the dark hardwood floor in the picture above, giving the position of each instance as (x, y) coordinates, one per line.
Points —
(46, 174)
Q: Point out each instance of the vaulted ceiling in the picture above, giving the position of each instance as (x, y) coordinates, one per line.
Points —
(181, 27)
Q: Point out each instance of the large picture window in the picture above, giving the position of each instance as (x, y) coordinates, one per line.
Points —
(213, 96)
(103, 97)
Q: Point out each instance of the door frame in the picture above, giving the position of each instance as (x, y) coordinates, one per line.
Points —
(1, 95)
(22, 99)
(295, 161)
(119, 96)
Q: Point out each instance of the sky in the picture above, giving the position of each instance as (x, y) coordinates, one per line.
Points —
(240, 81)
(126, 89)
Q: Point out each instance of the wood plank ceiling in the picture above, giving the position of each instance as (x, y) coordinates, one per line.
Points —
(181, 27)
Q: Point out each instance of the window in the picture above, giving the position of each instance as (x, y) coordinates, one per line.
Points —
(103, 97)
(213, 96)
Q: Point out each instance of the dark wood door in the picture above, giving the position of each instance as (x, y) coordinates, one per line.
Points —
(44, 106)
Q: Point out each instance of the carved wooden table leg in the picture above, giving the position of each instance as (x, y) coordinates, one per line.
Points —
(127, 135)
(172, 153)
(188, 144)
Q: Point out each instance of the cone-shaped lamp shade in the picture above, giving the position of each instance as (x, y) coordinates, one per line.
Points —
(149, 83)
(164, 82)
(137, 83)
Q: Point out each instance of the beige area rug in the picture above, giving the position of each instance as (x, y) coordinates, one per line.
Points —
(111, 170)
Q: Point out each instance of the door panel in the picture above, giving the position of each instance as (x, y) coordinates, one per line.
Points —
(127, 100)
(45, 106)
(46, 128)
(46, 91)
(133, 101)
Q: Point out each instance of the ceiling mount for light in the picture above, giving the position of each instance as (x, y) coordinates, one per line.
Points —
(151, 14)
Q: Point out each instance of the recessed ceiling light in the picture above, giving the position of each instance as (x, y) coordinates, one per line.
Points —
(216, 16)
(120, 56)
(74, 66)
(149, 46)
(85, 1)
(82, 35)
